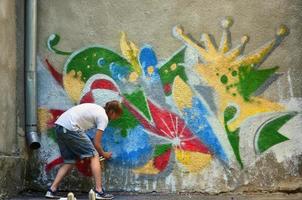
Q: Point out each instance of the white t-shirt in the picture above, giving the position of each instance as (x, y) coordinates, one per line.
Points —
(83, 117)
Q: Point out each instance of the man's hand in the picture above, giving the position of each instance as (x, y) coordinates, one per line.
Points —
(107, 155)
(98, 147)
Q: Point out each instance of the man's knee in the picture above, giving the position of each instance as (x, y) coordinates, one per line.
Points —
(70, 166)
(94, 157)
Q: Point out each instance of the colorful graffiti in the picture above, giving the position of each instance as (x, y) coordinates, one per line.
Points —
(180, 109)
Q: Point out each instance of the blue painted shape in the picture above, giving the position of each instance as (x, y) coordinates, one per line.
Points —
(131, 151)
(147, 58)
(119, 72)
(196, 120)
(101, 62)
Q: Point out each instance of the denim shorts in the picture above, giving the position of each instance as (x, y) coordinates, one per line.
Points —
(74, 145)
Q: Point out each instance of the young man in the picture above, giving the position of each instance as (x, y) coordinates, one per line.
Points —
(74, 143)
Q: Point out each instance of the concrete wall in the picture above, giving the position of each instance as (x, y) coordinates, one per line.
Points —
(12, 143)
(198, 115)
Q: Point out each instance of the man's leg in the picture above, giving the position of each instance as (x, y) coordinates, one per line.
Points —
(64, 169)
(96, 171)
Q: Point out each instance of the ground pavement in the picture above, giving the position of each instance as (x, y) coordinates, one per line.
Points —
(180, 196)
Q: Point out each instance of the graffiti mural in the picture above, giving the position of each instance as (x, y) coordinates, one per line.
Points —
(188, 108)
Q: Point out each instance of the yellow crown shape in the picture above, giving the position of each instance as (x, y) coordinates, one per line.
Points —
(225, 69)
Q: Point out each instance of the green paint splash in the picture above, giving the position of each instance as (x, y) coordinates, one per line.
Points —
(224, 79)
(233, 136)
(52, 41)
(51, 133)
(161, 149)
(126, 121)
(250, 79)
(88, 62)
(167, 75)
(138, 99)
(269, 134)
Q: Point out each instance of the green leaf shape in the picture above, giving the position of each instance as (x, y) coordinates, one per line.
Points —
(161, 149)
(139, 100)
(229, 113)
(87, 61)
(52, 41)
(233, 136)
(167, 75)
(250, 79)
(234, 141)
(126, 121)
(269, 135)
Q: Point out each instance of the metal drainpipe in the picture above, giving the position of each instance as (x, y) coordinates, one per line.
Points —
(30, 70)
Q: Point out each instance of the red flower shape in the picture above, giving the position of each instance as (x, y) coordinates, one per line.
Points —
(173, 129)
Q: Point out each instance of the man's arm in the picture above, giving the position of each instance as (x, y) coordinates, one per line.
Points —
(97, 144)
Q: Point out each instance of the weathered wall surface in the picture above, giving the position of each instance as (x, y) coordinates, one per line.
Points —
(202, 112)
(12, 143)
